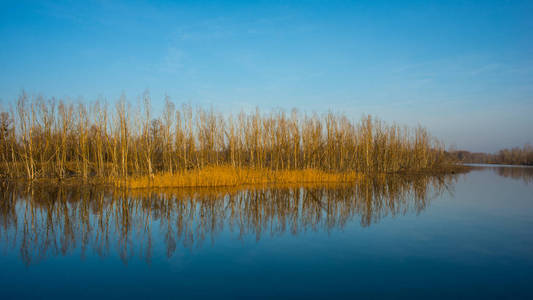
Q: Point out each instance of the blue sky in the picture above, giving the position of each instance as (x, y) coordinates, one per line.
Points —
(464, 69)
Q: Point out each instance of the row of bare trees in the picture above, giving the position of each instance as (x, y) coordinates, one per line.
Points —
(508, 156)
(42, 138)
(515, 156)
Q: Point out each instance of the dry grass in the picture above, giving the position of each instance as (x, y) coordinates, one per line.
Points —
(229, 176)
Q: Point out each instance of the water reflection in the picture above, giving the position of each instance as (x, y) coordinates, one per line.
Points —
(41, 222)
(524, 173)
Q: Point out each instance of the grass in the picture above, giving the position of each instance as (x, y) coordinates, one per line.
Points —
(229, 176)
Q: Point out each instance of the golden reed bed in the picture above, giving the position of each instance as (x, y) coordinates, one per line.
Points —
(230, 176)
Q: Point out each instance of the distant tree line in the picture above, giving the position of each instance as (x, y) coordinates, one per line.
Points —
(50, 138)
(512, 156)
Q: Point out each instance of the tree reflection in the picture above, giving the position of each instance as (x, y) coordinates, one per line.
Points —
(520, 173)
(42, 221)
(524, 173)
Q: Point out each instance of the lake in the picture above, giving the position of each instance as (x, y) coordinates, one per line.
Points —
(455, 236)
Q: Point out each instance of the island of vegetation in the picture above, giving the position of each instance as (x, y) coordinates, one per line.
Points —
(127, 146)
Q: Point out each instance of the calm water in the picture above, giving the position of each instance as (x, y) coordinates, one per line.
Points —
(460, 236)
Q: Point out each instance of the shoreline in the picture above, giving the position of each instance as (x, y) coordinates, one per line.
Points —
(227, 176)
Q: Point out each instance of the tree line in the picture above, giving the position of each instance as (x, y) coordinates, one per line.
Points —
(50, 138)
(508, 156)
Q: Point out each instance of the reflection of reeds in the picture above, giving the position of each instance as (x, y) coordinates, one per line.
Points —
(53, 139)
(43, 221)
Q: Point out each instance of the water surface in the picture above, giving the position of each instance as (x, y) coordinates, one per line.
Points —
(456, 236)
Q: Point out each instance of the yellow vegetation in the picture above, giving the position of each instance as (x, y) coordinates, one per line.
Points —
(230, 176)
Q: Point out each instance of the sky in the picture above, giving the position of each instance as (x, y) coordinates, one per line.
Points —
(463, 69)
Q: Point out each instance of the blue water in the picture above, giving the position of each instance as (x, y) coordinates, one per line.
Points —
(464, 236)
